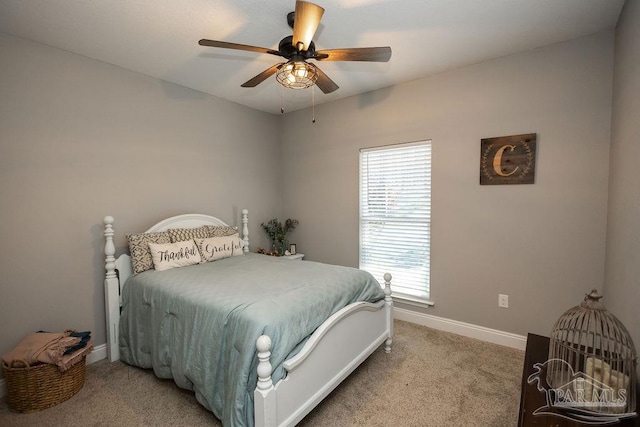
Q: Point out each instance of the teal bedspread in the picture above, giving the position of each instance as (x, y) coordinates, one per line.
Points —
(199, 324)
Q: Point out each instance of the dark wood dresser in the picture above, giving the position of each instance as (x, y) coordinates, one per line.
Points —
(531, 398)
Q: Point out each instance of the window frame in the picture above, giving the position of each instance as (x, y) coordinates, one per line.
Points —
(404, 295)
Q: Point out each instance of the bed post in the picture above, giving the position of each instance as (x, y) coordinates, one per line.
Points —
(264, 396)
(388, 301)
(245, 230)
(111, 291)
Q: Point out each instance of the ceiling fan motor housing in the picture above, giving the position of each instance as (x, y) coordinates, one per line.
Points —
(288, 51)
(291, 16)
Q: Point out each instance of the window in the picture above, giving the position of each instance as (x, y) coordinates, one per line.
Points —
(395, 215)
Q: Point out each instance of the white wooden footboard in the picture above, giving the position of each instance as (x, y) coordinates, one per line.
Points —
(334, 350)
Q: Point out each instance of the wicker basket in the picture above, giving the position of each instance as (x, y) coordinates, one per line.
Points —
(37, 387)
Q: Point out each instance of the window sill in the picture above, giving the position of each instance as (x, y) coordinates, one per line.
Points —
(412, 300)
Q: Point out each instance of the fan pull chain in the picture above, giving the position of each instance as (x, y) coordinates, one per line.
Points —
(281, 101)
(313, 103)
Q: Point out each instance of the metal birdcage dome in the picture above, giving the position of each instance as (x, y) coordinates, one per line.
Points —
(592, 361)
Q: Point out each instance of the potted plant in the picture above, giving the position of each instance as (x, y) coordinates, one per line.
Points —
(277, 232)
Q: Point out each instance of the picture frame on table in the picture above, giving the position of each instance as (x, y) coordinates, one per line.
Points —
(292, 248)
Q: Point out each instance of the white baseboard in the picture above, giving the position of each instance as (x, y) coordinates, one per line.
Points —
(494, 336)
(98, 353)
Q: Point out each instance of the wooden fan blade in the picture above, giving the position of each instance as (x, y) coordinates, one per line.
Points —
(306, 22)
(262, 76)
(373, 54)
(238, 46)
(325, 84)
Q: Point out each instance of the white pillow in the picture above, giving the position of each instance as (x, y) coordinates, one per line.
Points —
(238, 244)
(214, 248)
(171, 255)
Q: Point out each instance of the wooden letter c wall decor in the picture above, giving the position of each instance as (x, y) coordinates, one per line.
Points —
(508, 160)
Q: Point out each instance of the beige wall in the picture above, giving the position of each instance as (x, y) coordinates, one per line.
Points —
(80, 139)
(542, 244)
(622, 290)
(76, 133)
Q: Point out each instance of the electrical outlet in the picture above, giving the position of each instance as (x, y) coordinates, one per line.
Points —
(503, 301)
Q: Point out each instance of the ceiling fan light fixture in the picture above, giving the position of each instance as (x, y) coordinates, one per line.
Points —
(297, 75)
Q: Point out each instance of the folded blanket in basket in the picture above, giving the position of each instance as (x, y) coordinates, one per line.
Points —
(46, 347)
(85, 337)
(70, 359)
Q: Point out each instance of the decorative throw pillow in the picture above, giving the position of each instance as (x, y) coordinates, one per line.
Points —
(172, 255)
(139, 249)
(238, 244)
(182, 234)
(214, 248)
(218, 230)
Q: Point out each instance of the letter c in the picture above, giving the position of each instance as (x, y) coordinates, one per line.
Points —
(497, 161)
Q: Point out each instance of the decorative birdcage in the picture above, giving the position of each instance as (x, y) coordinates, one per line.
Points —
(592, 361)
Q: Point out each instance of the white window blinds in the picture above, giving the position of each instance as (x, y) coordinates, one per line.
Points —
(395, 215)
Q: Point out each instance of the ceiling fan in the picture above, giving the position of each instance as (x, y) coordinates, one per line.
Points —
(296, 72)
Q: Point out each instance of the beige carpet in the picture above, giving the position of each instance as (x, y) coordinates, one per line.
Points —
(431, 378)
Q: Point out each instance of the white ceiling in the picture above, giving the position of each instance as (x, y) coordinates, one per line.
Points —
(159, 38)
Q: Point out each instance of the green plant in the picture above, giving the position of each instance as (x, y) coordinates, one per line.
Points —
(277, 232)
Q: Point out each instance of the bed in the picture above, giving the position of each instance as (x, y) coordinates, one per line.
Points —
(275, 360)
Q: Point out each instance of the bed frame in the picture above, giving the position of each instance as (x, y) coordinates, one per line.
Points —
(332, 352)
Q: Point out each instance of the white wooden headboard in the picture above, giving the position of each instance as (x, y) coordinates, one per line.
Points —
(119, 270)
